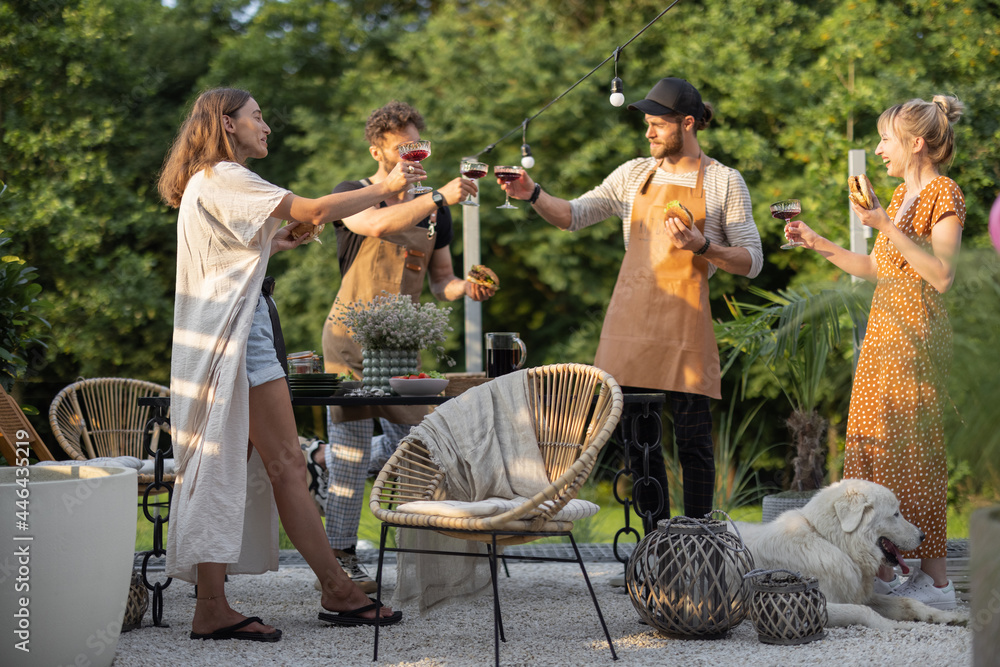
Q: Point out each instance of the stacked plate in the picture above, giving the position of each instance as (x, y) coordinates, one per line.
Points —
(313, 385)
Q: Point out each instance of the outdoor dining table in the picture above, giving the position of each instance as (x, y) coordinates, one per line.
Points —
(641, 414)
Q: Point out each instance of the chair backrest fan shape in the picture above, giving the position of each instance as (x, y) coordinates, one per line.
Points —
(561, 408)
(101, 417)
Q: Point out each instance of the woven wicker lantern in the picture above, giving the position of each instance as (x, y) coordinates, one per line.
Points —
(687, 578)
(137, 603)
(786, 607)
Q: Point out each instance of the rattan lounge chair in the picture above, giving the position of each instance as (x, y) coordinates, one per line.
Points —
(574, 410)
(16, 429)
(101, 417)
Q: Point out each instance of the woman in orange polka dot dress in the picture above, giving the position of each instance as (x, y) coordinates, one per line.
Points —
(894, 429)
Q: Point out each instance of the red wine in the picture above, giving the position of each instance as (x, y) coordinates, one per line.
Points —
(415, 156)
(786, 215)
(508, 176)
(474, 173)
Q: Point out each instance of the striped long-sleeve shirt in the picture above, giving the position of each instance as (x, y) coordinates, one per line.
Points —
(728, 213)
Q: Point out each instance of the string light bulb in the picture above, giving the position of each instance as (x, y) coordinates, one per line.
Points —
(617, 87)
(527, 161)
(617, 92)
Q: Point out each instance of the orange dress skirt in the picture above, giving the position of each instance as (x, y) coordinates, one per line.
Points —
(895, 433)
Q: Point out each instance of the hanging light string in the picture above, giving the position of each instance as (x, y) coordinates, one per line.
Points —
(524, 124)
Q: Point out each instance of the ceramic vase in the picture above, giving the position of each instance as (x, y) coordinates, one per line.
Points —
(380, 365)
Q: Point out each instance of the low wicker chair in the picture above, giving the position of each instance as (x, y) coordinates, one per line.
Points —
(16, 431)
(574, 409)
(101, 417)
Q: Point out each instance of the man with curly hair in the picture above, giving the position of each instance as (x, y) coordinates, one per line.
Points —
(373, 260)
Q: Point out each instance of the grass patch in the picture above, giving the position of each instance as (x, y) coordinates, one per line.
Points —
(597, 529)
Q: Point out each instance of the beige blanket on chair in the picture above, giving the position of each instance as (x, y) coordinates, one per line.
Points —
(485, 442)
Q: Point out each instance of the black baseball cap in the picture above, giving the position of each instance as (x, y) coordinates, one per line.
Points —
(669, 96)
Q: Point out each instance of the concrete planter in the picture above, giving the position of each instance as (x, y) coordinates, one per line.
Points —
(64, 577)
(984, 569)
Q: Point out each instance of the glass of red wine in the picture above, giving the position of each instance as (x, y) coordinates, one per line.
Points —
(786, 209)
(472, 170)
(415, 151)
(508, 174)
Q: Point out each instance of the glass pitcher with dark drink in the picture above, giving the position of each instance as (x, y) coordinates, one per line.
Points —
(505, 353)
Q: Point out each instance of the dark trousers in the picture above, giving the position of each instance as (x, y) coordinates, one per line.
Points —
(693, 436)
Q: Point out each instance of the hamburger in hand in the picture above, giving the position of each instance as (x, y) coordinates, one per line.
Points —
(675, 209)
(860, 191)
(312, 231)
(483, 275)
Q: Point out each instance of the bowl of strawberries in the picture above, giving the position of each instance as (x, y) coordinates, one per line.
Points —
(418, 384)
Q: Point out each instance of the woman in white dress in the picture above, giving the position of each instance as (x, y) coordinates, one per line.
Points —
(237, 455)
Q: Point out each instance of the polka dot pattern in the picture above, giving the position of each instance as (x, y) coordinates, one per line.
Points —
(895, 435)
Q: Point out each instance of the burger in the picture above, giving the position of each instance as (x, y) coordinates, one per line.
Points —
(675, 209)
(312, 231)
(860, 191)
(483, 275)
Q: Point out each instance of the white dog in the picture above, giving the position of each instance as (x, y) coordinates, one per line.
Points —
(841, 537)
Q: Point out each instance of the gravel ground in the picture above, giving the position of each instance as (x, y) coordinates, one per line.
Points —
(548, 618)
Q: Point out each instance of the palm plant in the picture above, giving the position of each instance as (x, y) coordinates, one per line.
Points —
(792, 334)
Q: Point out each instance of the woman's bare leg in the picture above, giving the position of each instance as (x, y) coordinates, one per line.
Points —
(274, 436)
(937, 568)
(212, 611)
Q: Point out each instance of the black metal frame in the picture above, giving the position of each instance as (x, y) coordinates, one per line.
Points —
(636, 408)
(498, 633)
(160, 405)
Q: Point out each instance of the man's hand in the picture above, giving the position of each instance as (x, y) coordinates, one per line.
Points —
(403, 175)
(522, 188)
(682, 236)
(283, 239)
(478, 292)
(457, 190)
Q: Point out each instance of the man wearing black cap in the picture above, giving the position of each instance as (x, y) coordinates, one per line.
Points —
(657, 332)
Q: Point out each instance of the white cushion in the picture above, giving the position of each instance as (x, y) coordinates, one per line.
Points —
(574, 510)
(147, 467)
(452, 508)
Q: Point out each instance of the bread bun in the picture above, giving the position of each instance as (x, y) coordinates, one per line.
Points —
(675, 209)
(312, 231)
(483, 275)
(860, 191)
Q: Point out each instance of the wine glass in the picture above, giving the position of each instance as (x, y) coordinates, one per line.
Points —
(507, 174)
(415, 151)
(786, 209)
(472, 170)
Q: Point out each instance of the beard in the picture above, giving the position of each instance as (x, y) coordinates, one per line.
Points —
(673, 145)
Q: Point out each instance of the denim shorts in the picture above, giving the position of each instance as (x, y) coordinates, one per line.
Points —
(262, 361)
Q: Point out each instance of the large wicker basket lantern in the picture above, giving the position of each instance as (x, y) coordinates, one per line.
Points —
(786, 607)
(687, 578)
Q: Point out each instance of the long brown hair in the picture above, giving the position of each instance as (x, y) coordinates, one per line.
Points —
(201, 142)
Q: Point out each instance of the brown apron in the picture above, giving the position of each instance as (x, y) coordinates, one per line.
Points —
(396, 263)
(658, 331)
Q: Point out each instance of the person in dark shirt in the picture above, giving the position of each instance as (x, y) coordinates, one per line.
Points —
(390, 247)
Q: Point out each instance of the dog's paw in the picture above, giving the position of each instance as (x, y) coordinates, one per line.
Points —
(956, 617)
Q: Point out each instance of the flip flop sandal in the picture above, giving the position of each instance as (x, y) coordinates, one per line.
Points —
(354, 618)
(233, 632)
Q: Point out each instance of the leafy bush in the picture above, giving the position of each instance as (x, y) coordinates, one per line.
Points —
(20, 325)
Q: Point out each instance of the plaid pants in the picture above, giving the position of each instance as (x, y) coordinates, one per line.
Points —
(352, 455)
(695, 449)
